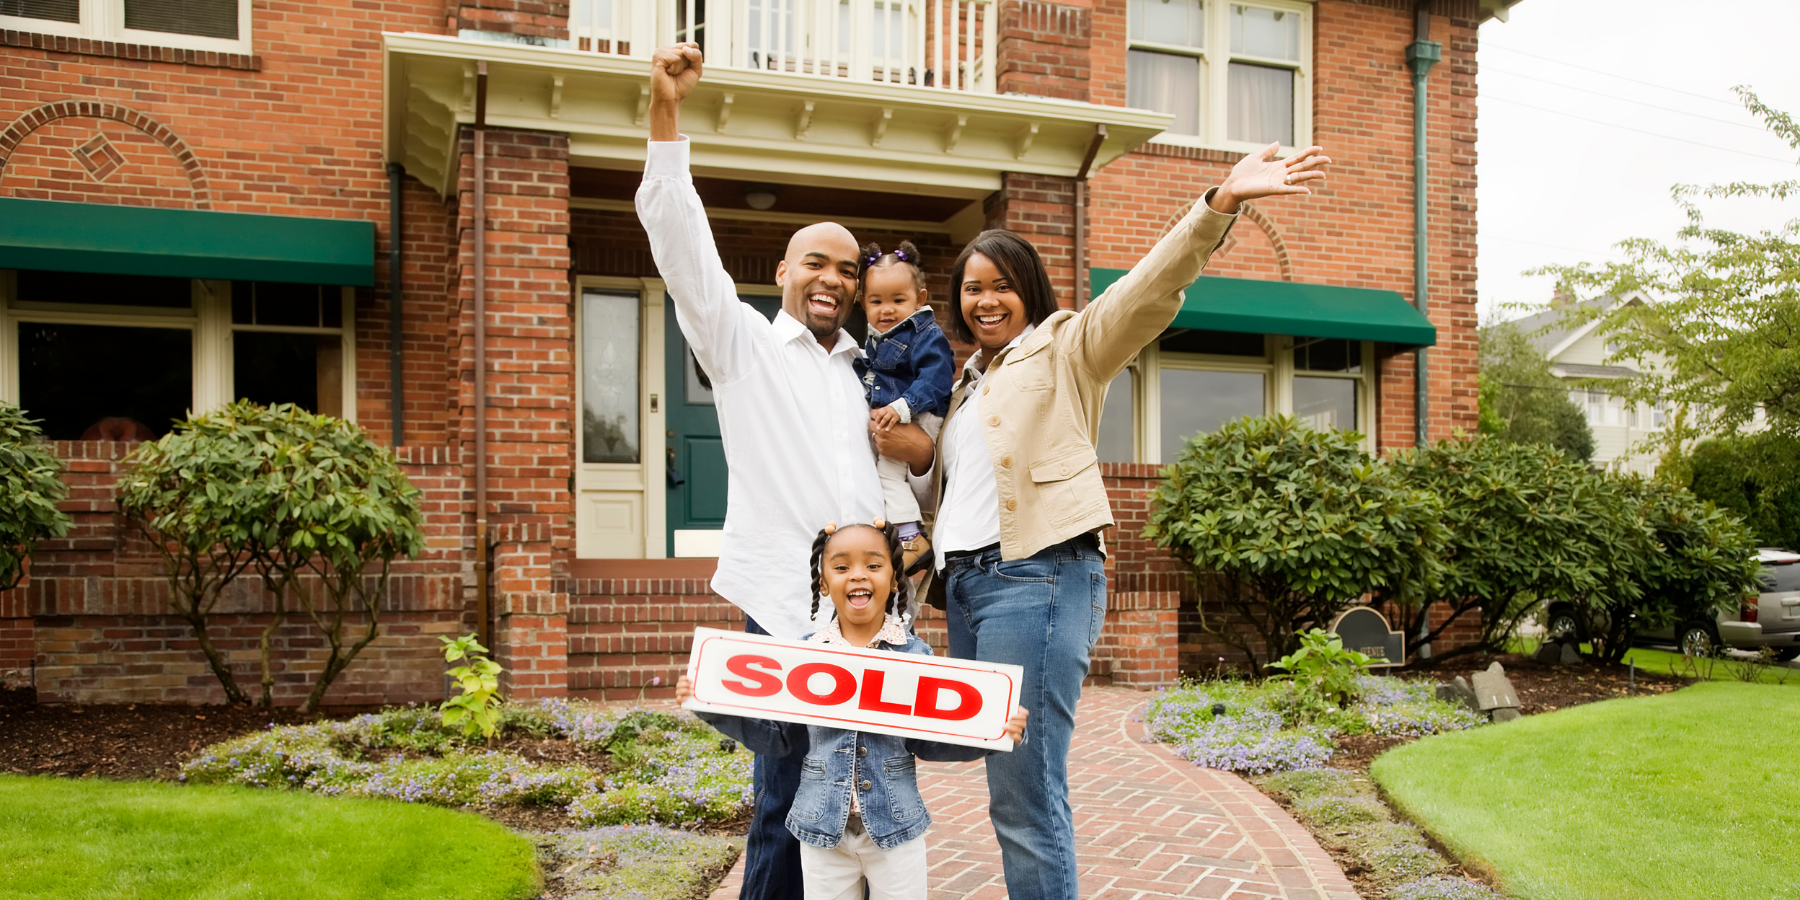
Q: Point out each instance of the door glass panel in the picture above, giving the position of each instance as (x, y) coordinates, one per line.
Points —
(1114, 443)
(1325, 402)
(609, 377)
(1194, 402)
(105, 382)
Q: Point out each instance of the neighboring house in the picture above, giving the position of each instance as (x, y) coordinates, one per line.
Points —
(214, 199)
(1585, 357)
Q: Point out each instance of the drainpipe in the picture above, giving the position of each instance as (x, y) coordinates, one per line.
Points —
(481, 459)
(1420, 55)
(396, 178)
(1081, 177)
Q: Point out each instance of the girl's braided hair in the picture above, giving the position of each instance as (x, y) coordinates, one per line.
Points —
(889, 532)
(873, 257)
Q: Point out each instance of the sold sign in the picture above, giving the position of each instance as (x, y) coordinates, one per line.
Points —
(957, 701)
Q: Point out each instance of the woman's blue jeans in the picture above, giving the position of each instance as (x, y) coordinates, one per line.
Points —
(771, 852)
(1043, 613)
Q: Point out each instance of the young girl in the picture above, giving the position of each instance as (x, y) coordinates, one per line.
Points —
(907, 371)
(858, 813)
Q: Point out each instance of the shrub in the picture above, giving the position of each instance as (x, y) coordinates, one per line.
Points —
(1322, 666)
(476, 707)
(1525, 523)
(308, 500)
(29, 491)
(1285, 527)
(1750, 475)
(675, 775)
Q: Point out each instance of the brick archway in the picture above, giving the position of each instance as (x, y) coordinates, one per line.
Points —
(163, 134)
(1257, 217)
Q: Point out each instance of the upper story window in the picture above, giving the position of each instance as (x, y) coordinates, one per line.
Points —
(220, 26)
(1233, 74)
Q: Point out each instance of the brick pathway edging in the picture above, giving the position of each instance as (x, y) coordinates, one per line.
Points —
(1149, 825)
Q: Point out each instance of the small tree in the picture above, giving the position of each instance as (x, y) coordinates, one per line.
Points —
(339, 505)
(191, 495)
(1285, 527)
(29, 492)
(1522, 401)
(308, 501)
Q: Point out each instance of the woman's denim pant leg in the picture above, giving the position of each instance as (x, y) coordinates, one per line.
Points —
(1043, 613)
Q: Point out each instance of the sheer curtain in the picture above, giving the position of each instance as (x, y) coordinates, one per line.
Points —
(1166, 83)
(1261, 106)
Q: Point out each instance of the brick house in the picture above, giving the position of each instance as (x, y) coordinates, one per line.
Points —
(235, 198)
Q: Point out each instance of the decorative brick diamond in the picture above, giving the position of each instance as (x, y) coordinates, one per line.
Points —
(99, 157)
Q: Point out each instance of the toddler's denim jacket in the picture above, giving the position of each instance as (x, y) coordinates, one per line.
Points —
(879, 767)
(911, 362)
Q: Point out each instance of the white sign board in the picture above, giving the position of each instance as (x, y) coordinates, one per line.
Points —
(957, 701)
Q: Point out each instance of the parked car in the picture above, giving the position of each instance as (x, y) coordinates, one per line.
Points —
(1772, 621)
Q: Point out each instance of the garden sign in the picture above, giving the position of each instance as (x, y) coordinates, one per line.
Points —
(956, 701)
(1366, 631)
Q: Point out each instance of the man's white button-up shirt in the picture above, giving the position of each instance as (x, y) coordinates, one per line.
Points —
(791, 414)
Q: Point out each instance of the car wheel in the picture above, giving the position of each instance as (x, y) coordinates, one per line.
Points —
(1562, 624)
(1699, 639)
(1786, 654)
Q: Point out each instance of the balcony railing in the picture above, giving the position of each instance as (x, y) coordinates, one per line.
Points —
(938, 44)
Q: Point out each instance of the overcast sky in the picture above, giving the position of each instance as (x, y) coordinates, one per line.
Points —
(1592, 109)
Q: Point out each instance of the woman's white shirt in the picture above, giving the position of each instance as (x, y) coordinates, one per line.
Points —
(969, 517)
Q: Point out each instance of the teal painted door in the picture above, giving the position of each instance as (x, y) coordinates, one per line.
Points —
(696, 455)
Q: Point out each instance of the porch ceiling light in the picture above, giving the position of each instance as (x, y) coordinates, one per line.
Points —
(760, 196)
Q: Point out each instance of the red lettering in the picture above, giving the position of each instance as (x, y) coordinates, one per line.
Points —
(765, 684)
(843, 687)
(930, 692)
(871, 695)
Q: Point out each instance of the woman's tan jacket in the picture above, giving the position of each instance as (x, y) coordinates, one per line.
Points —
(1041, 400)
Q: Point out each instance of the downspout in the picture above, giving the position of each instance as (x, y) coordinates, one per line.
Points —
(396, 360)
(1420, 55)
(481, 459)
(1081, 177)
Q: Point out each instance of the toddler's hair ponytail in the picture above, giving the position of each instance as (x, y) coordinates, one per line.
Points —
(905, 254)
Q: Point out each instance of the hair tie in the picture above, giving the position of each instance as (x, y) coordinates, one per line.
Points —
(904, 257)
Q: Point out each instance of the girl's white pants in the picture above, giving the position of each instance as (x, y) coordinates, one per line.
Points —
(838, 873)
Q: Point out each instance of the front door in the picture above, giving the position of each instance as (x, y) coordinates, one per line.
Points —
(696, 456)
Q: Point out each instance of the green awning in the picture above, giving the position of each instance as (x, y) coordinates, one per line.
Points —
(1301, 310)
(184, 243)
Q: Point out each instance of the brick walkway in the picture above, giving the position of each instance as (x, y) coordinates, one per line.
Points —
(1147, 825)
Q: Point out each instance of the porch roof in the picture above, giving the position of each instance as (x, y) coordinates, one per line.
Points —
(1291, 308)
(184, 243)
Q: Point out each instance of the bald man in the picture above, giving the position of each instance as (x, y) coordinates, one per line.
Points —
(791, 414)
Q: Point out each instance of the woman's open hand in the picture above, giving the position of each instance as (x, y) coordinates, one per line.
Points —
(1261, 175)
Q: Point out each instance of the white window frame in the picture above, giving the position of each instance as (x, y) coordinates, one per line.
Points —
(1276, 365)
(209, 318)
(104, 20)
(1215, 89)
(618, 483)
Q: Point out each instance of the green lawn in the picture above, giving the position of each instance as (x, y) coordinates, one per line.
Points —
(92, 839)
(1663, 662)
(1683, 795)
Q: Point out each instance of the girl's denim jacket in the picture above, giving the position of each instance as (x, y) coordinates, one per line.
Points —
(911, 362)
(879, 767)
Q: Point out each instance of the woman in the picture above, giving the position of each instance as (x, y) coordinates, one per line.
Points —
(1020, 571)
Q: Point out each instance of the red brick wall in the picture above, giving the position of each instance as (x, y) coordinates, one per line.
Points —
(1356, 230)
(530, 388)
(1043, 49)
(525, 18)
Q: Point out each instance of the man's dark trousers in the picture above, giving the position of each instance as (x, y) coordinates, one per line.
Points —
(772, 853)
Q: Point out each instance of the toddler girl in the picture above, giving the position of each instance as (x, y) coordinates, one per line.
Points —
(907, 371)
(858, 813)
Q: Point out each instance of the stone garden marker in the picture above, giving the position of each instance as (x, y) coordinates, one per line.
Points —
(1494, 694)
(1366, 631)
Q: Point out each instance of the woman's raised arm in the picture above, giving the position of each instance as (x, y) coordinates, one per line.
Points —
(1140, 305)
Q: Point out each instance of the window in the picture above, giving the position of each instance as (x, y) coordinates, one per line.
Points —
(121, 357)
(1193, 381)
(609, 377)
(221, 26)
(1232, 74)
